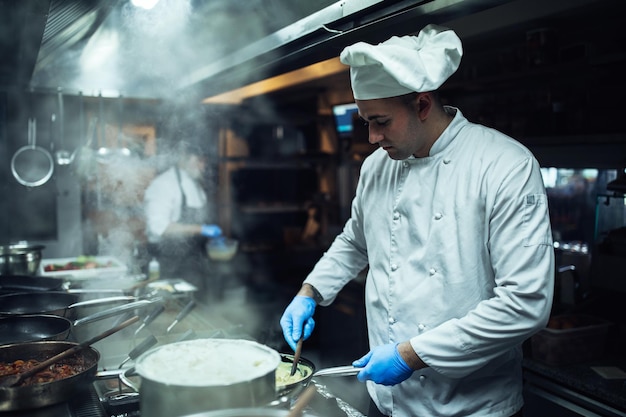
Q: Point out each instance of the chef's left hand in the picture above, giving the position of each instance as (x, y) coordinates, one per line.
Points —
(383, 365)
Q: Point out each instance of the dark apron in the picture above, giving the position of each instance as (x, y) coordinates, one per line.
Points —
(185, 257)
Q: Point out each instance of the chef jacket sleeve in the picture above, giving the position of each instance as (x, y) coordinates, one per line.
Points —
(522, 258)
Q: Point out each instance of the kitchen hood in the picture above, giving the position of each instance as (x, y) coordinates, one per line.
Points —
(193, 49)
(33, 32)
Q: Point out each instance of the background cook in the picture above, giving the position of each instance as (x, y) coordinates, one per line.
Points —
(179, 221)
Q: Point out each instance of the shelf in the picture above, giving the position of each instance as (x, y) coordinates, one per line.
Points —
(271, 209)
(281, 162)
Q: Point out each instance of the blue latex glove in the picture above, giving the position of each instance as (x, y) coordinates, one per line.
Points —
(211, 230)
(383, 365)
(298, 317)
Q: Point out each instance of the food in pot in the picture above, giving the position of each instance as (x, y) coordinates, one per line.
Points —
(63, 369)
(207, 362)
(283, 377)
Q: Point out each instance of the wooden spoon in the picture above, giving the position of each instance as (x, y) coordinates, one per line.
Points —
(296, 356)
(16, 379)
(302, 401)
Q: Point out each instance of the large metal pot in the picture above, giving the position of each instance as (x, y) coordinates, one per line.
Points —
(206, 374)
(20, 259)
(247, 412)
(40, 395)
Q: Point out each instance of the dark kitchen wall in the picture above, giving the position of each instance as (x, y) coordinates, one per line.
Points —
(4, 169)
(30, 212)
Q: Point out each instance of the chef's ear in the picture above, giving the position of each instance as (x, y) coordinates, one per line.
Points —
(424, 104)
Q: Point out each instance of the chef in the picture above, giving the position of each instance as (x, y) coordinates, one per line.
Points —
(179, 221)
(451, 219)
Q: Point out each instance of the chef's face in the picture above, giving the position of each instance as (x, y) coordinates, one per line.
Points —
(396, 126)
(195, 166)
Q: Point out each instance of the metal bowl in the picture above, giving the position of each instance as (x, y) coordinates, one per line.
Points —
(20, 259)
(222, 248)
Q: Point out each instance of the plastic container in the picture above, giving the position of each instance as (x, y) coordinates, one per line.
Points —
(578, 338)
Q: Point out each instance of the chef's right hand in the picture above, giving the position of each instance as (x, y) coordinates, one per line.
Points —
(211, 230)
(298, 318)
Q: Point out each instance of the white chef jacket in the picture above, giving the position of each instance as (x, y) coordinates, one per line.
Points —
(461, 262)
(163, 200)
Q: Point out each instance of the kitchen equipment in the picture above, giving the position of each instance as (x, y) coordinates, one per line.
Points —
(296, 356)
(22, 283)
(40, 395)
(290, 386)
(248, 412)
(206, 374)
(33, 327)
(347, 370)
(148, 342)
(20, 259)
(302, 401)
(55, 302)
(32, 165)
(106, 155)
(222, 248)
(570, 339)
(83, 267)
(183, 313)
(150, 317)
(63, 156)
(17, 379)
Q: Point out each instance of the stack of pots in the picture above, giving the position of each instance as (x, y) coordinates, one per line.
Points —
(20, 259)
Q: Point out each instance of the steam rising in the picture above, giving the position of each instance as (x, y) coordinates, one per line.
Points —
(146, 53)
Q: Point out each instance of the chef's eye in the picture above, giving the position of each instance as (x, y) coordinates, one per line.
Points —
(365, 122)
(382, 122)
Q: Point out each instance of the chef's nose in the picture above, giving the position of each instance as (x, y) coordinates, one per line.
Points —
(375, 134)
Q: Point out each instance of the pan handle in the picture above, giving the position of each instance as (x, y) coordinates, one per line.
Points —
(99, 301)
(338, 371)
(114, 311)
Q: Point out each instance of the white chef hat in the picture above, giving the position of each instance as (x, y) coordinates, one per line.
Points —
(403, 65)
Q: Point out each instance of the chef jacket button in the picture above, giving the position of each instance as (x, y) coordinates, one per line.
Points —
(391, 320)
(432, 271)
(405, 164)
(446, 161)
(394, 267)
(396, 215)
(421, 327)
(438, 216)
(422, 378)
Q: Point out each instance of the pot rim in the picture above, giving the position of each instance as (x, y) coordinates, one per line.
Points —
(272, 356)
(19, 248)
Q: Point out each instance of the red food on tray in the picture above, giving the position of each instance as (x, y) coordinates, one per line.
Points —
(78, 265)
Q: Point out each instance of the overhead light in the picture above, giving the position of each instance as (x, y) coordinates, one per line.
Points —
(289, 79)
(144, 4)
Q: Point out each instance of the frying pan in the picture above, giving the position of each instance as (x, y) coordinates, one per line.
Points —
(32, 165)
(40, 395)
(22, 283)
(38, 327)
(57, 303)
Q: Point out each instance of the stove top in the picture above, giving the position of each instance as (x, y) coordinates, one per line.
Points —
(85, 404)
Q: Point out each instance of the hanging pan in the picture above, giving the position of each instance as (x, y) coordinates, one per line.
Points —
(63, 156)
(32, 165)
